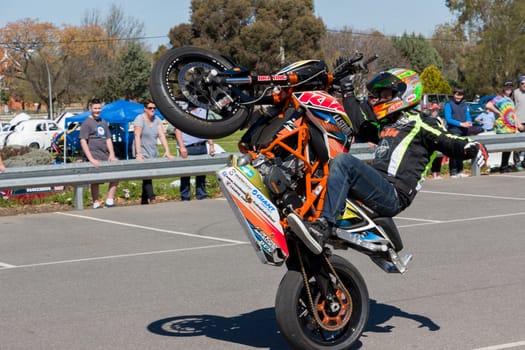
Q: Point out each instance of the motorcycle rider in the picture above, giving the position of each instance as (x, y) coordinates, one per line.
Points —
(407, 141)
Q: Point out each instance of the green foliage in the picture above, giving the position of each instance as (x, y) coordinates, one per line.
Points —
(418, 51)
(4, 96)
(131, 75)
(434, 82)
(496, 46)
(285, 31)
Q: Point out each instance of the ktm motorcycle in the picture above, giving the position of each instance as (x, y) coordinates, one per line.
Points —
(294, 126)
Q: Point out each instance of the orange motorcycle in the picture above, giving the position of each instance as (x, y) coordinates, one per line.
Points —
(294, 126)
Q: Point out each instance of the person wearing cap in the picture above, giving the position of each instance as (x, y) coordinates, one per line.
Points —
(506, 120)
(519, 101)
(436, 163)
(458, 119)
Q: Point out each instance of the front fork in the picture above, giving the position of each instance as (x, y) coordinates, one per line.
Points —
(311, 265)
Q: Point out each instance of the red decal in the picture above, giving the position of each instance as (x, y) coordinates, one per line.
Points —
(319, 99)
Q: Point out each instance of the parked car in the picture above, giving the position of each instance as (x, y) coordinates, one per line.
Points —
(428, 99)
(35, 133)
(475, 109)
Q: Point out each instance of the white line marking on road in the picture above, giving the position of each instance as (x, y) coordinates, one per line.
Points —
(503, 346)
(123, 255)
(463, 219)
(6, 265)
(417, 219)
(475, 195)
(152, 228)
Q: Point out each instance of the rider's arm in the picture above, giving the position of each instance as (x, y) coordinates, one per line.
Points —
(438, 139)
(369, 131)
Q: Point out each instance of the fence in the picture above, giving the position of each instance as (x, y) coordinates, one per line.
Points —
(79, 175)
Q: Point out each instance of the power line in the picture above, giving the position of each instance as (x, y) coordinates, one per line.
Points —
(59, 42)
(379, 34)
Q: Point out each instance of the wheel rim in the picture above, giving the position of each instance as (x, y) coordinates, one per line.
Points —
(184, 80)
(336, 325)
(334, 320)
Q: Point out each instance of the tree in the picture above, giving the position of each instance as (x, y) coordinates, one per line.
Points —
(262, 35)
(418, 51)
(116, 25)
(346, 43)
(495, 32)
(433, 81)
(452, 47)
(79, 59)
(131, 75)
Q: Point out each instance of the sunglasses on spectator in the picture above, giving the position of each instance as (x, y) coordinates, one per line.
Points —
(150, 108)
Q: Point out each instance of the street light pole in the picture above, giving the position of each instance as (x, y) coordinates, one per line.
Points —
(50, 103)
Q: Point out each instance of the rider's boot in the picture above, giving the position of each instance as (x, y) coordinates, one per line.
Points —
(312, 234)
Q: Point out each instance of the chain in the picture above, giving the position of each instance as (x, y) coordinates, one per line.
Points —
(309, 292)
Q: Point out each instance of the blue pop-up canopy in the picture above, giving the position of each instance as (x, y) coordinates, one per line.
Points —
(120, 112)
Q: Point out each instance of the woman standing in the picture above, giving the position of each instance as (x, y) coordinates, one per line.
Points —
(148, 128)
(506, 120)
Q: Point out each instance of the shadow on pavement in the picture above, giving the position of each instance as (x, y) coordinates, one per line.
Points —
(259, 329)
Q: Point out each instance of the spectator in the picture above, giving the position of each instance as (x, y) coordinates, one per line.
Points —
(191, 145)
(95, 140)
(2, 166)
(519, 101)
(148, 128)
(486, 119)
(438, 160)
(506, 120)
(457, 117)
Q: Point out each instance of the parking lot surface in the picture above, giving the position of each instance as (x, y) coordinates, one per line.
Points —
(182, 275)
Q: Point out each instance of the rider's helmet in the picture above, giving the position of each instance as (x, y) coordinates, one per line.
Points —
(406, 91)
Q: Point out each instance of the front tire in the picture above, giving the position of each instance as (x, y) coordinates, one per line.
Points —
(178, 88)
(297, 322)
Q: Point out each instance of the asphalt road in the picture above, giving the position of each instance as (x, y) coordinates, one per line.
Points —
(182, 275)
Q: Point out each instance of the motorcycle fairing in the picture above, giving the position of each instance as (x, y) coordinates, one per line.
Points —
(257, 214)
(328, 115)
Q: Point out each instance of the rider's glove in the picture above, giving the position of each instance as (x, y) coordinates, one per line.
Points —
(346, 85)
(478, 152)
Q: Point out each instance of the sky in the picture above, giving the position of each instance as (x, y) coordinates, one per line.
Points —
(388, 16)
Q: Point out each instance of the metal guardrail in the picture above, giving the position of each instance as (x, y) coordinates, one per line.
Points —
(79, 175)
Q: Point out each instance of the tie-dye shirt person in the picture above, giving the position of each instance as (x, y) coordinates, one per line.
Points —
(506, 121)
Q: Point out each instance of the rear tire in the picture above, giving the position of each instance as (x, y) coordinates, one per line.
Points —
(177, 89)
(34, 145)
(297, 323)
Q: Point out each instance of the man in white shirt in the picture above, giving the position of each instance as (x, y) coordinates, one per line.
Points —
(519, 101)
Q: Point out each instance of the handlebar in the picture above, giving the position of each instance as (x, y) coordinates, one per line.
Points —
(323, 78)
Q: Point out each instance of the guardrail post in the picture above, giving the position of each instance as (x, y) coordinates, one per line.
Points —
(79, 197)
(475, 170)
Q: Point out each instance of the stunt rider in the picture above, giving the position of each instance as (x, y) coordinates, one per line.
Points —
(407, 141)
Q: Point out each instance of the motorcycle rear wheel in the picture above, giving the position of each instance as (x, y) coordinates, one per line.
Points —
(294, 312)
(191, 106)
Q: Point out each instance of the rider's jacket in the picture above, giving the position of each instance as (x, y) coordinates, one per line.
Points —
(406, 147)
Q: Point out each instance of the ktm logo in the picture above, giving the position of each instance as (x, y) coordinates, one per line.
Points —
(320, 99)
(389, 132)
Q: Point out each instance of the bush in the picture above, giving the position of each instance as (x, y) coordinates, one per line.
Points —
(24, 156)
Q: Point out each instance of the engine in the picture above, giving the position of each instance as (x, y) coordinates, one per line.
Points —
(282, 177)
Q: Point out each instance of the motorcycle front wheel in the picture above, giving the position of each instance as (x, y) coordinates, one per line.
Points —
(178, 87)
(328, 329)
